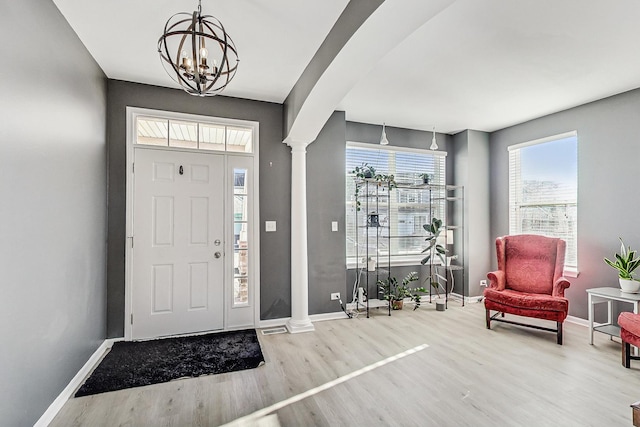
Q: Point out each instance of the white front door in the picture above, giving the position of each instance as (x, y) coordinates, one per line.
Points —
(178, 243)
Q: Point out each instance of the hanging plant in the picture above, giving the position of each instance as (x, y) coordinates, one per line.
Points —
(367, 172)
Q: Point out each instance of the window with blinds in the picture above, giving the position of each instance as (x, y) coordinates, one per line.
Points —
(406, 209)
(543, 190)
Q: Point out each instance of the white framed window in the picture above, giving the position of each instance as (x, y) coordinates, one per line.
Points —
(196, 135)
(406, 210)
(543, 190)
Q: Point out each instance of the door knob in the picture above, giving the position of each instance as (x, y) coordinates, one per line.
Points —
(217, 255)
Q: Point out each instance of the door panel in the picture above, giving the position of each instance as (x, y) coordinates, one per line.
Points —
(178, 283)
(162, 221)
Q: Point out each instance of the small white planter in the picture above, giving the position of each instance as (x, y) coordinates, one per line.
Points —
(440, 304)
(629, 286)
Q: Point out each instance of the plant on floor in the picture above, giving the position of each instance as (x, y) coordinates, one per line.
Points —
(396, 293)
(625, 262)
(434, 250)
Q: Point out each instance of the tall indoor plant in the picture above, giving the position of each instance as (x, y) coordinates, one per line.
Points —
(434, 250)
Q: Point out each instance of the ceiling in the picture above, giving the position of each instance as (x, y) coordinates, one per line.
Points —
(479, 64)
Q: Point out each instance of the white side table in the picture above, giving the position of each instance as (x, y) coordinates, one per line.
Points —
(600, 295)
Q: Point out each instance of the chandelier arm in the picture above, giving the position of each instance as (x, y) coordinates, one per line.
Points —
(181, 80)
(196, 73)
(174, 68)
(179, 51)
(226, 44)
(225, 58)
(193, 74)
(184, 78)
(215, 75)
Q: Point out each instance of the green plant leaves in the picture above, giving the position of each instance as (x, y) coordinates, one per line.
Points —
(392, 291)
(625, 262)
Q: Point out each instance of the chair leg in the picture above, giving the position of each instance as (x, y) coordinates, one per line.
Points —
(559, 333)
(626, 354)
(488, 318)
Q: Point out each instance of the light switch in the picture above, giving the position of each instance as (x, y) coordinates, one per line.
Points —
(334, 225)
(269, 226)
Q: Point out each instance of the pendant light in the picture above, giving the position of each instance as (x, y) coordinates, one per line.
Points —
(434, 144)
(198, 53)
(383, 138)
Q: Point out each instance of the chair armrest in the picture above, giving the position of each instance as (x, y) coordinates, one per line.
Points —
(559, 286)
(497, 280)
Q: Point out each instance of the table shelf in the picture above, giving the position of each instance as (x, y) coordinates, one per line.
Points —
(612, 330)
(608, 295)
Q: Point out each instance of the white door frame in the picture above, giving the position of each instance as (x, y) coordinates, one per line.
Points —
(131, 114)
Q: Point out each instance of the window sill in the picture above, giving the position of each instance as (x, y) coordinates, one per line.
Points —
(571, 272)
(395, 262)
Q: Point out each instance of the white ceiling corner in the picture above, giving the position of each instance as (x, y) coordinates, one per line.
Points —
(479, 64)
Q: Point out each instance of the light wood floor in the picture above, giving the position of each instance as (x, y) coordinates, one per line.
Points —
(468, 376)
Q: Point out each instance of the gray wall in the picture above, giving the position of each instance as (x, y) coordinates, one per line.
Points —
(471, 169)
(53, 209)
(325, 203)
(608, 205)
(275, 188)
(399, 137)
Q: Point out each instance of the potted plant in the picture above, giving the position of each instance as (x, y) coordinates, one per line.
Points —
(365, 172)
(396, 293)
(388, 180)
(371, 264)
(425, 177)
(626, 262)
(434, 250)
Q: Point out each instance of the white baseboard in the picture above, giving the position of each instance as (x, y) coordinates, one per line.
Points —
(467, 299)
(328, 316)
(578, 321)
(274, 323)
(75, 382)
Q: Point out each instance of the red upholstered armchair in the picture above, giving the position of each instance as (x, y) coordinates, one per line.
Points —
(630, 334)
(528, 281)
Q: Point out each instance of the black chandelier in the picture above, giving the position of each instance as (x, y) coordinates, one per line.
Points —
(204, 56)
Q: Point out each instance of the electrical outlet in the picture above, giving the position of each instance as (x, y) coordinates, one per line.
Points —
(483, 283)
(335, 296)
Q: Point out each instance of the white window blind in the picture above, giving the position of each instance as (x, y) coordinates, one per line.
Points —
(543, 190)
(406, 209)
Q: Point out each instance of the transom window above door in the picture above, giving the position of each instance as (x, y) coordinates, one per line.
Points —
(162, 132)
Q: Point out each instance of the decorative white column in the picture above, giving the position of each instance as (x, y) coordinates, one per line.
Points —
(299, 321)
